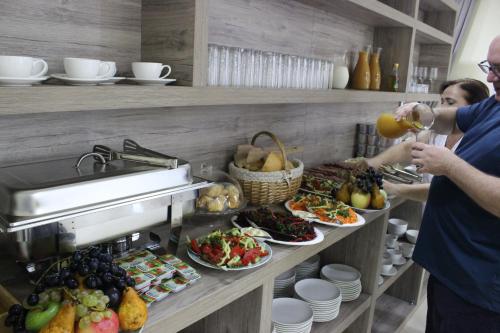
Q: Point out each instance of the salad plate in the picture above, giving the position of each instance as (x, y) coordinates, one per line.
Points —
(318, 239)
(311, 217)
(196, 258)
(21, 81)
(229, 250)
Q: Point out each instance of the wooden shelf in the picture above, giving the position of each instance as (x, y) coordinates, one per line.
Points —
(388, 281)
(439, 5)
(349, 312)
(25, 100)
(391, 314)
(430, 35)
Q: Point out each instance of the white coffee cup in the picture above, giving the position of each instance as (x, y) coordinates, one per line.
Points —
(390, 240)
(20, 66)
(386, 265)
(149, 70)
(395, 255)
(111, 72)
(83, 68)
(407, 249)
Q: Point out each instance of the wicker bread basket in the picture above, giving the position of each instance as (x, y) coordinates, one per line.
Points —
(261, 188)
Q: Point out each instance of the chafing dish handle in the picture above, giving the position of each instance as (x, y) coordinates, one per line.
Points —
(84, 156)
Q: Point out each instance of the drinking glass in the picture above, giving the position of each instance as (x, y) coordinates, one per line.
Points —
(296, 72)
(249, 68)
(287, 71)
(258, 76)
(305, 65)
(279, 71)
(270, 70)
(236, 66)
(433, 75)
(213, 65)
(224, 62)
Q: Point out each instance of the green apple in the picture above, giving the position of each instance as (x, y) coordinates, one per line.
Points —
(39, 317)
(384, 194)
(360, 199)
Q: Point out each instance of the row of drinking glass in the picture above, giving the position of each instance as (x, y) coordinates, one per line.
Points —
(238, 67)
(422, 79)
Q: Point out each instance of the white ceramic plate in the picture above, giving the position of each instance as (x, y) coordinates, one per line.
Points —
(360, 210)
(21, 81)
(392, 272)
(313, 218)
(151, 82)
(111, 80)
(319, 236)
(291, 312)
(341, 273)
(262, 261)
(78, 82)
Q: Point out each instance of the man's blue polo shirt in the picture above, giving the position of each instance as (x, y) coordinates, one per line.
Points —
(459, 242)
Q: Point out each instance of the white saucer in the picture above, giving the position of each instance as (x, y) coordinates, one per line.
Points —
(392, 272)
(151, 82)
(400, 262)
(21, 81)
(82, 82)
(112, 80)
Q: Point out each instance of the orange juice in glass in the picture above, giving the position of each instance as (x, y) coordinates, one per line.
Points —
(421, 118)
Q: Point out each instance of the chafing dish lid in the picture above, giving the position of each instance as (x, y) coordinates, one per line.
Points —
(46, 187)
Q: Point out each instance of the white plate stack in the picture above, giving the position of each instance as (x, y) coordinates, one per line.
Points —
(347, 278)
(323, 296)
(307, 269)
(290, 315)
(283, 284)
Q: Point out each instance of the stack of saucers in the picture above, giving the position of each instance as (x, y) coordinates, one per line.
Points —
(283, 284)
(347, 278)
(323, 296)
(290, 315)
(307, 269)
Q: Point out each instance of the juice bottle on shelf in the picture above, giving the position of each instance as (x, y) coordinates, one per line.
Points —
(421, 118)
(375, 75)
(394, 78)
(361, 77)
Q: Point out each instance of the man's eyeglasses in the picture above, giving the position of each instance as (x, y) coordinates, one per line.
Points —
(487, 67)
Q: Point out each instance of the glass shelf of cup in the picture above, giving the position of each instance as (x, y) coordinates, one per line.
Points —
(247, 68)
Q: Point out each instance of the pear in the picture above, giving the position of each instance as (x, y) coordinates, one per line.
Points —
(132, 312)
(377, 198)
(343, 194)
(63, 322)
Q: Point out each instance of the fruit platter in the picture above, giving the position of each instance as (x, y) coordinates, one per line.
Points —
(323, 210)
(91, 292)
(364, 191)
(85, 293)
(283, 227)
(229, 250)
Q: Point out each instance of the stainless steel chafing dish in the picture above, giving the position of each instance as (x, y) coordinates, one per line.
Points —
(53, 207)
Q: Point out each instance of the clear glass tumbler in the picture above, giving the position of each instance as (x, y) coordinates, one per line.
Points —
(236, 67)
(224, 63)
(249, 67)
(213, 65)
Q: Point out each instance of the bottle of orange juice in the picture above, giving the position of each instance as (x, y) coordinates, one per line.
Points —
(361, 77)
(420, 118)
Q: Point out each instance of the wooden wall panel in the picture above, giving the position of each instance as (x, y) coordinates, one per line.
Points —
(289, 27)
(168, 35)
(107, 30)
(198, 134)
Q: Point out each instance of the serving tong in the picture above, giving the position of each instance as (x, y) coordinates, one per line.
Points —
(132, 147)
(112, 155)
(399, 175)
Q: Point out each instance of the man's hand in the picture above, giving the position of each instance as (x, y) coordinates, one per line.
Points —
(432, 159)
(405, 110)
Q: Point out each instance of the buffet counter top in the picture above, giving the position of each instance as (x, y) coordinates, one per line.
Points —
(216, 288)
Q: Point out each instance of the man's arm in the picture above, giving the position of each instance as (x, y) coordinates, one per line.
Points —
(484, 189)
(444, 121)
(416, 192)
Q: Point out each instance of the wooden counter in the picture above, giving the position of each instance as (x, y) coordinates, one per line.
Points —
(241, 301)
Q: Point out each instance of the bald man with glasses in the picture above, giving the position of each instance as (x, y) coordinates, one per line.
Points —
(459, 240)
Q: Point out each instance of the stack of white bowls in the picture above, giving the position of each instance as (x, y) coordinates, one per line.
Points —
(290, 315)
(347, 278)
(307, 269)
(323, 296)
(283, 284)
